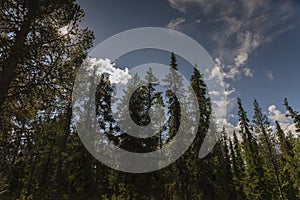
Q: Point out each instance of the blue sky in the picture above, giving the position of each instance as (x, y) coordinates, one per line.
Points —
(256, 42)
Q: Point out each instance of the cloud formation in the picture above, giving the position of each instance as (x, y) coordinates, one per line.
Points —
(248, 72)
(276, 115)
(270, 75)
(236, 28)
(105, 66)
(226, 103)
(174, 24)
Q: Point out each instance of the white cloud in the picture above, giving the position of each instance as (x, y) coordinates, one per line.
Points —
(221, 108)
(270, 75)
(102, 66)
(229, 92)
(285, 123)
(241, 58)
(240, 28)
(174, 24)
(218, 74)
(230, 128)
(248, 72)
(214, 93)
(237, 28)
(182, 4)
(276, 114)
(233, 73)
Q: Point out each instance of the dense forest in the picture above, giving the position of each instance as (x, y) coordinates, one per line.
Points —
(42, 157)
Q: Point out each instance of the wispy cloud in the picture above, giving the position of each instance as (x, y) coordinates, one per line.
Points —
(181, 5)
(276, 115)
(175, 23)
(248, 72)
(233, 31)
(269, 75)
(236, 28)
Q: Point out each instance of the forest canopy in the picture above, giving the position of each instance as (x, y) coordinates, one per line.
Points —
(42, 47)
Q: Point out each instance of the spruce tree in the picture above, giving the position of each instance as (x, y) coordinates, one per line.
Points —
(174, 83)
(286, 157)
(202, 186)
(268, 150)
(293, 114)
(238, 167)
(255, 186)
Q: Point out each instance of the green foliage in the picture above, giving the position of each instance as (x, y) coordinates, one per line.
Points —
(42, 156)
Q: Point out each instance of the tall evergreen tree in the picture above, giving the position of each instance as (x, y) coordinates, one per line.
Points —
(141, 103)
(42, 46)
(286, 155)
(174, 83)
(294, 159)
(174, 87)
(238, 167)
(35, 43)
(227, 179)
(202, 186)
(268, 150)
(255, 185)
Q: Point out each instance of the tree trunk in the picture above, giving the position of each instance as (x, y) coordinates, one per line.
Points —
(16, 56)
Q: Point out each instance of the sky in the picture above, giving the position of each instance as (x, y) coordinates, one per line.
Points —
(256, 43)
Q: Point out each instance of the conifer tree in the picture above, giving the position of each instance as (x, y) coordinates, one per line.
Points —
(237, 166)
(203, 184)
(174, 83)
(268, 150)
(42, 46)
(293, 114)
(294, 161)
(255, 185)
(286, 156)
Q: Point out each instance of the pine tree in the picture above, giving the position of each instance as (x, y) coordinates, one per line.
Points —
(267, 143)
(42, 46)
(286, 155)
(199, 168)
(152, 99)
(294, 158)
(238, 168)
(160, 119)
(255, 186)
(204, 105)
(142, 102)
(174, 83)
(227, 180)
(293, 114)
(136, 109)
(285, 146)
(36, 42)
